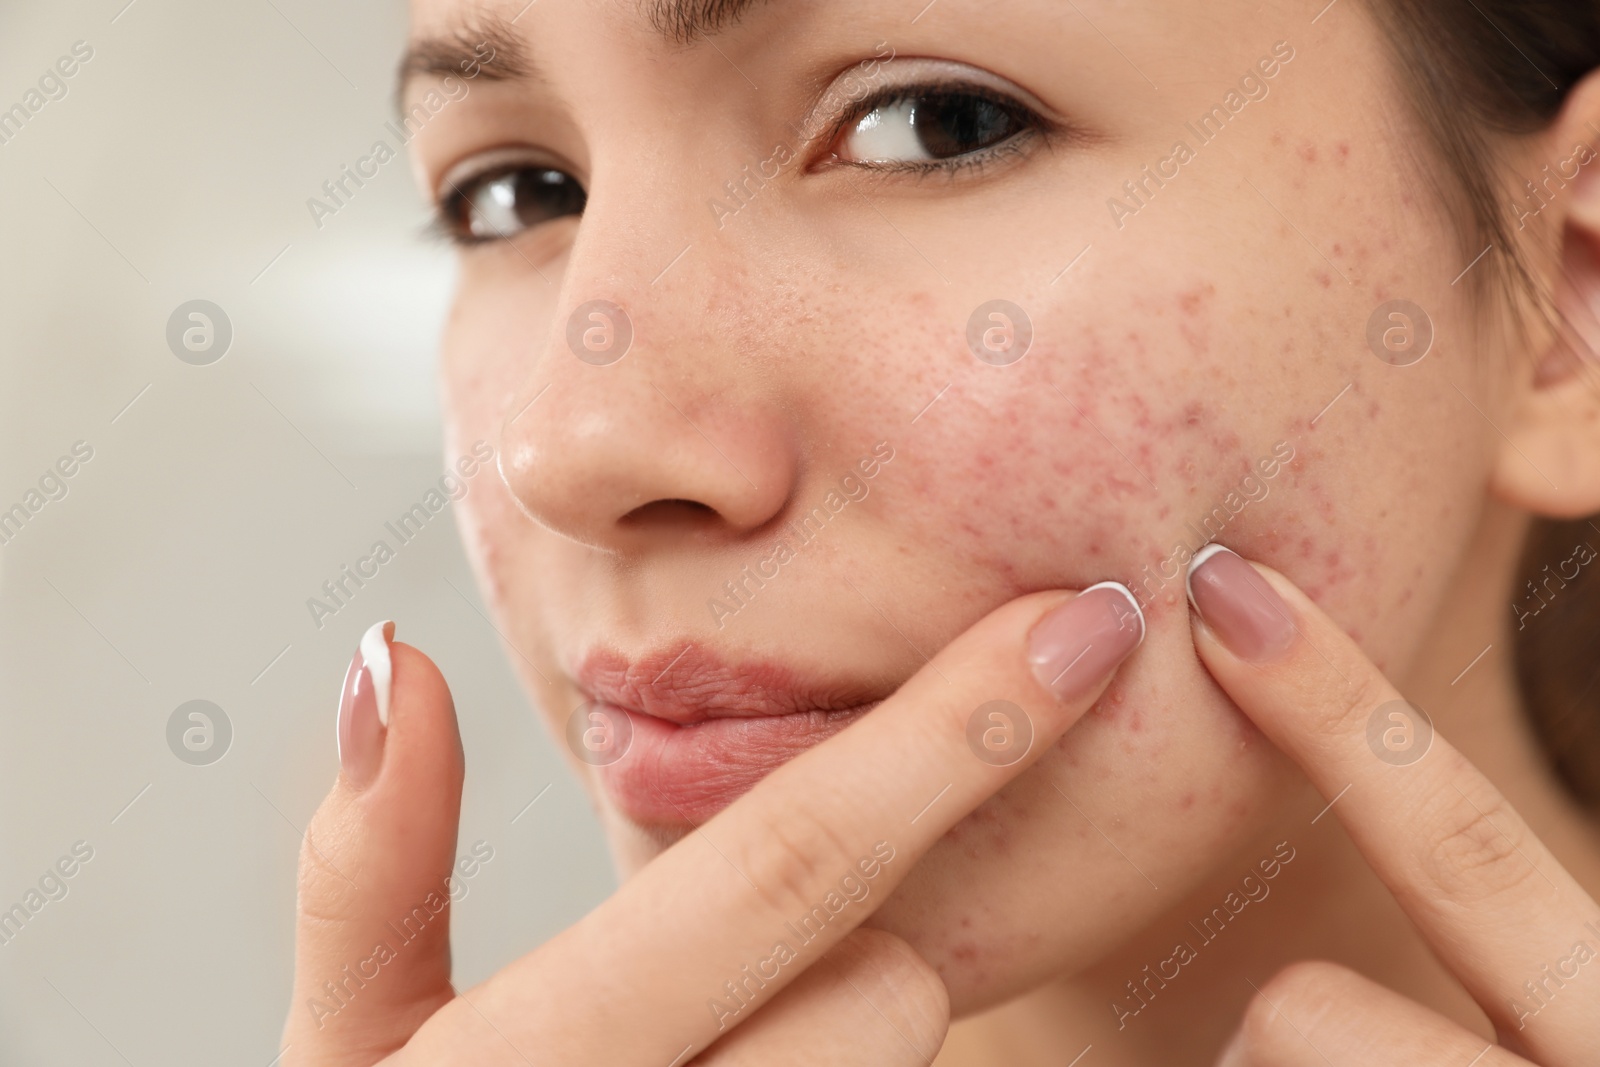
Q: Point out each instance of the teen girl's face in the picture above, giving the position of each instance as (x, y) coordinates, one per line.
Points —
(807, 339)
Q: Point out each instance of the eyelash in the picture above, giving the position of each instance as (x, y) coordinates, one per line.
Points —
(1035, 128)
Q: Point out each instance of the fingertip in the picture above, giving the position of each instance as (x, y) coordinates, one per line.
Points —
(1240, 604)
(1076, 647)
(381, 845)
(418, 683)
(422, 723)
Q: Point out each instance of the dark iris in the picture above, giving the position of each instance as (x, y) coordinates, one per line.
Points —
(955, 124)
(503, 203)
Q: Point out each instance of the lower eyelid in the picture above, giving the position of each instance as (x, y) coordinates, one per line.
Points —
(1011, 148)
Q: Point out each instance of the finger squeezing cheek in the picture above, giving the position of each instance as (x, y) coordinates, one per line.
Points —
(1239, 606)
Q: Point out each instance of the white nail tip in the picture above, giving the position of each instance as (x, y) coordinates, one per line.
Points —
(1128, 596)
(1194, 564)
(375, 655)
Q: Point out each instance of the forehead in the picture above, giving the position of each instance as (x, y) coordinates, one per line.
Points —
(675, 21)
(449, 36)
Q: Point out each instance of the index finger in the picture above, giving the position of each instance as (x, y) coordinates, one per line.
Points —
(715, 926)
(1495, 905)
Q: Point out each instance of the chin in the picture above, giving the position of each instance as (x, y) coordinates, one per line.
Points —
(1157, 794)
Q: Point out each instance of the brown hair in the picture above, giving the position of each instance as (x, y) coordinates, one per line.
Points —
(1477, 71)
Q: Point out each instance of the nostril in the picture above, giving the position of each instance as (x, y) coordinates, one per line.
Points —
(670, 513)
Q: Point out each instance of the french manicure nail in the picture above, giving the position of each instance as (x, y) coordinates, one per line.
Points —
(1074, 648)
(1239, 605)
(364, 706)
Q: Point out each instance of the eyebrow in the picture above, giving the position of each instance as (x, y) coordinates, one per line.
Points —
(681, 21)
(676, 21)
(458, 51)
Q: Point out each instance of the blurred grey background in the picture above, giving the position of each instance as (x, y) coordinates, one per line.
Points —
(175, 165)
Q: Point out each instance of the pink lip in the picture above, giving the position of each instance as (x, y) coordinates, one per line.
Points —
(705, 731)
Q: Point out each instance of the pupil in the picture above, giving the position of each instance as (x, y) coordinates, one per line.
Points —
(542, 195)
(955, 125)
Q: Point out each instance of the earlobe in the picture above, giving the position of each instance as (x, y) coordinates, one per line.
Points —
(1549, 457)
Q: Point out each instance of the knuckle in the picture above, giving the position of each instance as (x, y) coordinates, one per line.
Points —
(894, 965)
(1350, 711)
(1289, 1004)
(1309, 982)
(794, 862)
(324, 893)
(898, 983)
(1477, 851)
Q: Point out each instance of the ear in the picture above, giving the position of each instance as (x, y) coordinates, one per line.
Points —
(1549, 458)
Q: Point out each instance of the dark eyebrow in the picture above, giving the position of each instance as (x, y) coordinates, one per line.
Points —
(489, 34)
(681, 21)
(487, 46)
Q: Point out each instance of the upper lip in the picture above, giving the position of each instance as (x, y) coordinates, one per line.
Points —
(686, 682)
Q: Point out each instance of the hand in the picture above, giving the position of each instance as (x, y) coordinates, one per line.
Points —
(635, 981)
(1489, 898)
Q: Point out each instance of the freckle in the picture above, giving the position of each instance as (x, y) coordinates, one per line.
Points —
(1186, 802)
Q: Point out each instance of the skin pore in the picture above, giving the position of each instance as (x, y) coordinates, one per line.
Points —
(1182, 346)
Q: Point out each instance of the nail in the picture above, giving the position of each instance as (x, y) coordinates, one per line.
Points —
(1239, 605)
(1074, 648)
(364, 706)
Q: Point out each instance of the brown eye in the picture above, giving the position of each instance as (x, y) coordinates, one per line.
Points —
(927, 126)
(508, 200)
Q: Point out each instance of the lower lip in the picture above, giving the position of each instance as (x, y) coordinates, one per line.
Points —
(674, 774)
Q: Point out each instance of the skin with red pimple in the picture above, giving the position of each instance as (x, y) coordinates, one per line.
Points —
(1197, 340)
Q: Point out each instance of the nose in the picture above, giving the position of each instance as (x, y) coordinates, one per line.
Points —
(646, 423)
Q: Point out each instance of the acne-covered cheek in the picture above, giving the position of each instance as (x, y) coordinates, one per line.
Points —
(1117, 451)
(1079, 463)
